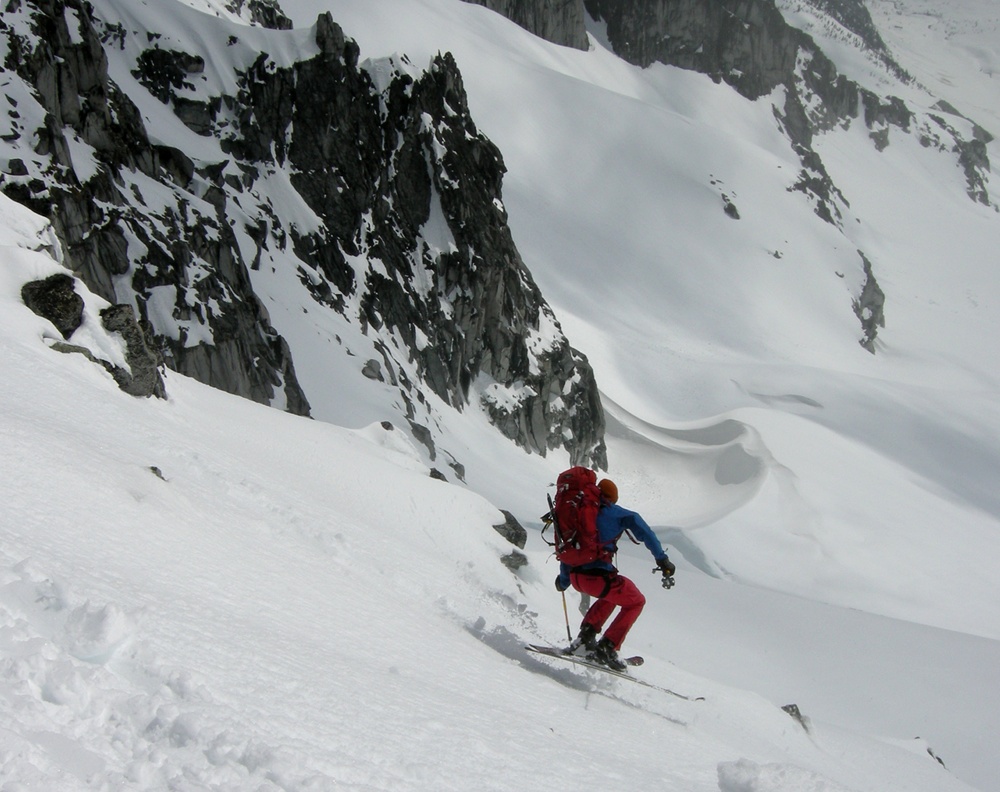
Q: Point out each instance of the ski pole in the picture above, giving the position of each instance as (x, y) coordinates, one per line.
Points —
(566, 614)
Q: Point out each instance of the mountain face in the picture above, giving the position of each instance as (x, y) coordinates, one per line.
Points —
(391, 218)
(559, 21)
(749, 45)
(139, 222)
(367, 191)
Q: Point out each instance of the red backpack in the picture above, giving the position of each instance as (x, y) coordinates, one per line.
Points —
(574, 516)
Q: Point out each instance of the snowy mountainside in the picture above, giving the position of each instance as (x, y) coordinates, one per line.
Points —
(833, 513)
(208, 173)
(693, 319)
(955, 55)
(216, 595)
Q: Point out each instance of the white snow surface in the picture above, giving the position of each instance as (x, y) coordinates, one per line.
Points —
(203, 593)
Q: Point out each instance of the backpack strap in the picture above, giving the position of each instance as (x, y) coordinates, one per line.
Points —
(608, 575)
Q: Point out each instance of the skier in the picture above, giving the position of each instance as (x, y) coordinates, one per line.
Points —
(602, 580)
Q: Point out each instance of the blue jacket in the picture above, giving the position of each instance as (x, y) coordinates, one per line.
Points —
(612, 521)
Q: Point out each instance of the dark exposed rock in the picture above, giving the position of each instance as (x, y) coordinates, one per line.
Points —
(373, 370)
(143, 377)
(330, 37)
(182, 249)
(511, 530)
(935, 757)
(558, 21)
(423, 435)
(162, 72)
(978, 133)
(975, 162)
(855, 17)
(514, 560)
(266, 13)
(370, 163)
(870, 306)
(199, 117)
(742, 42)
(748, 45)
(55, 299)
(796, 713)
(459, 469)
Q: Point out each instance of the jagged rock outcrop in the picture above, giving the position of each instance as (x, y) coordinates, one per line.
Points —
(856, 18)
(870, 306)
(55, 299)
(558, 21)
(407, 235)
(174, 257)
(143, 375)
(266, 13)
(512, 530)
(400, 175)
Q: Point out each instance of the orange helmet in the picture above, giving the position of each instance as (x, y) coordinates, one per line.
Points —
(608, 489)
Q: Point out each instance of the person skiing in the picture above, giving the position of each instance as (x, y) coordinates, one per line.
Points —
(600, 579)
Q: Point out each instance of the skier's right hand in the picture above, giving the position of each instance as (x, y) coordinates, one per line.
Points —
(561, 583)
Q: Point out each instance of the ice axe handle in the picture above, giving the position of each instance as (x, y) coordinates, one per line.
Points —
(668, 580)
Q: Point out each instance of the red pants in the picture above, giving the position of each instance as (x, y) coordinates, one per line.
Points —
(621, 593)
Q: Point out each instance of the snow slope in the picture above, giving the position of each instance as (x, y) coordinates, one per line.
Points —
(296, 605)
(692, 320)
(954, 52)
(285, 604)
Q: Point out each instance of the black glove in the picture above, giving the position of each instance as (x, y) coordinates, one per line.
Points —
(561, 583)
(666, 567)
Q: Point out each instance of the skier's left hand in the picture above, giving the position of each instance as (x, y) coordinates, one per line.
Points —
(666, 567)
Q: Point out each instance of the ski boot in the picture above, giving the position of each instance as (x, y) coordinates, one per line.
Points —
(606, 655)
(587, 639)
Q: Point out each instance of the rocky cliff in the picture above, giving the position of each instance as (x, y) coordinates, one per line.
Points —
(559, 21)
(139, 221)
(390, 216)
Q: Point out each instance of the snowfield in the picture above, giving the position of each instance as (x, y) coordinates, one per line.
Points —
(204, 593)
(208, 594)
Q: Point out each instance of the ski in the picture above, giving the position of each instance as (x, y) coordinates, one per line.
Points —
(560, 654)
(636, 660)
